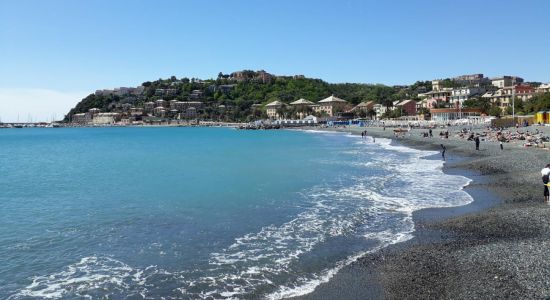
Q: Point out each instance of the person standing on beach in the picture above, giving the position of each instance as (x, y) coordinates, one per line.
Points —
(477, 142)
(501, 146)
(430, 132)
(443, 149)
(545, 174)
(362, 134)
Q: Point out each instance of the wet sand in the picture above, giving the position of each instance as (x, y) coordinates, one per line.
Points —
(495, 247)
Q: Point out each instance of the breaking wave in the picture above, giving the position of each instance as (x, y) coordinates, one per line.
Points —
(268, 263)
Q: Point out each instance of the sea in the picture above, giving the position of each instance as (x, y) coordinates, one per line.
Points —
(202, 213)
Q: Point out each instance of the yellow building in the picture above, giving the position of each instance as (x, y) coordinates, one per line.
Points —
(331, 106)
(273, 109)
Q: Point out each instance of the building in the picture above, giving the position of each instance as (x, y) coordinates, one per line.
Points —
(364, 107)
(273, 109)
(449, 114)
(136, 111)
(159, 111)
(506, 81)
(330, 106)
(307, 121)
(94, 111)
(302, 107)
(459, 95)
(473, 80)
(105, 118)
(406, 107)
(504, 97)
(437, 85)
(190, 113)
(196, 94)
(437, 98)
(148, 107)
(81, 118)
(379, 110)
(544, 88)
(161, 103)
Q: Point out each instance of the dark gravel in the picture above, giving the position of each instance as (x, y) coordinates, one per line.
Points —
(501, 252)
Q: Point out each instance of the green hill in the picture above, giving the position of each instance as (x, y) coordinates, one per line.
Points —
(239, 94)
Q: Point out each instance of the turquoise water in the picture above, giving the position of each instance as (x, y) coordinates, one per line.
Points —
(200, 212)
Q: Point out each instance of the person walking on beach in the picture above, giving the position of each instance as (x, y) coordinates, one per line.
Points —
(477, 142)
(362, 134)
(430, 132)
(443, 149)
(501, 146)
(545, 174)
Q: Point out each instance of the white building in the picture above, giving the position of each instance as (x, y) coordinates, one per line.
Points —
(459, 95)
(380, 110)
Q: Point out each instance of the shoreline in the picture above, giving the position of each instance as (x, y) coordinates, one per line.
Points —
(460, 252)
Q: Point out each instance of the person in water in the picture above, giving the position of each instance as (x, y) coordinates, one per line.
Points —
(545, 174)
(443, 149)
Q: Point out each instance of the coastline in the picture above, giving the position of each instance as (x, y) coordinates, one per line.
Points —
(490, 248)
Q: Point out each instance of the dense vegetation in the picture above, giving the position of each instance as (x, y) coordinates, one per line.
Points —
(238, 99)
(228, 99)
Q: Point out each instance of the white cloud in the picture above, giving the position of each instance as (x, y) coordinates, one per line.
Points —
(36, 104)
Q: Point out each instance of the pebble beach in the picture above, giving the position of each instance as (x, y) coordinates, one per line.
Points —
(496, 247)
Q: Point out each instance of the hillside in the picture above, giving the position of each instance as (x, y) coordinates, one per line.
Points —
(239, 91)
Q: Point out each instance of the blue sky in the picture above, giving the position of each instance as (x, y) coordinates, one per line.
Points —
(75, 47)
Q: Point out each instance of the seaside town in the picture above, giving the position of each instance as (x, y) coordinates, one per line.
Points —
(474, 101)
(467, 98)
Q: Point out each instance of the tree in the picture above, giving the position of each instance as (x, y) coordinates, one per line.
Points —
(495, 111)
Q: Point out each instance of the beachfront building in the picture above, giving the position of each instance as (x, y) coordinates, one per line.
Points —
(330, 106)
(106, 118)
(81, 118)
(302, 107)
(459, 95)
(443, 115)
(437, 98)
(273, 109)
(406, 107)
(506, 81)
(306, 121)
(379, 110)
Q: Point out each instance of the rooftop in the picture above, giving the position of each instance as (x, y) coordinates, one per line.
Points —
(332, 99)
(275, 103)
(301, 101)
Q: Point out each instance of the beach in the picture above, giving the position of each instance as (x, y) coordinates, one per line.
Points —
(494, 247)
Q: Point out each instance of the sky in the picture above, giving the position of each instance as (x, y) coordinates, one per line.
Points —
(55, 52)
